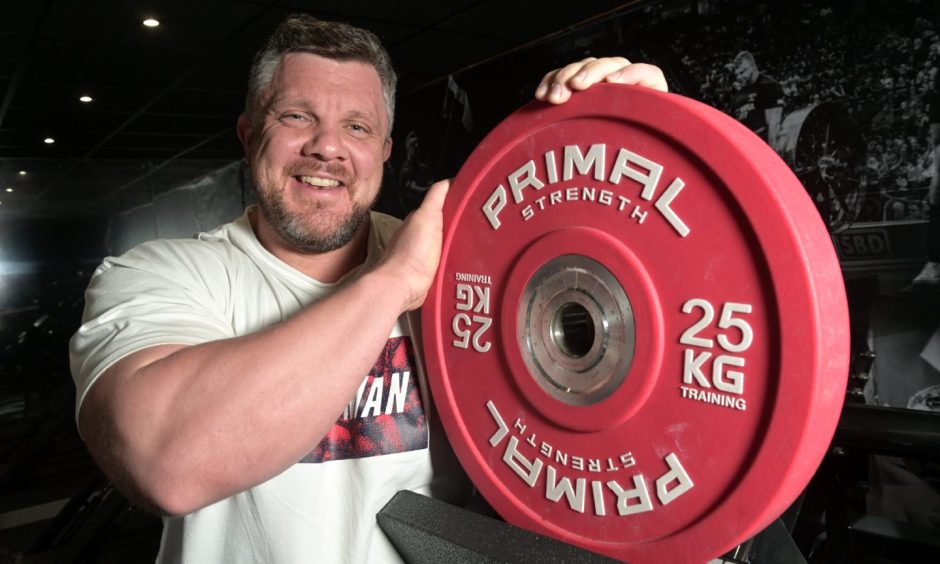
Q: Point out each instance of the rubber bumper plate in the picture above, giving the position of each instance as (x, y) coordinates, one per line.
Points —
(638, 336)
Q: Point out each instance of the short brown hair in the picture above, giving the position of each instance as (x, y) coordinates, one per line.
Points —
(301, 33)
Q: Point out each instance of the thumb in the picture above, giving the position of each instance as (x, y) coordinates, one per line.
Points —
(434, 199)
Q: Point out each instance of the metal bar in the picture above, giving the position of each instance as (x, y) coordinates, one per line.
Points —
(889, 430)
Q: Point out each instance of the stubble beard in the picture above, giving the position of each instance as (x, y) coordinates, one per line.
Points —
(307, 229)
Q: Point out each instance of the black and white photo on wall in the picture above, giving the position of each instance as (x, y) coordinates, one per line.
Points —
(843, 91)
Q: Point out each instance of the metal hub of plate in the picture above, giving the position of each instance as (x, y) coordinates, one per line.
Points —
(575, 328)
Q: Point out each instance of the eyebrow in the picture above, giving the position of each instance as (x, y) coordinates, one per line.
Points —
(367, 116)
(371, 117)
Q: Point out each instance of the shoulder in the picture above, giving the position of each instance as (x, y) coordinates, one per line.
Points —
(171, 267)
(769, 92)
(216, 247)
(769, 85)
(172, 255)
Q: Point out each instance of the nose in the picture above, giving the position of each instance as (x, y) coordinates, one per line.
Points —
(325, 142)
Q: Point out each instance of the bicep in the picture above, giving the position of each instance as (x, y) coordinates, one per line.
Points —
(103, 414)
(131, 318)
(97, 412)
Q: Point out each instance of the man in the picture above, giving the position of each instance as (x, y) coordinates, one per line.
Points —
(258, 385)
(759, 101)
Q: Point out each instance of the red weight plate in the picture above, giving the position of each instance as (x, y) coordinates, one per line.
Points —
(638, 335)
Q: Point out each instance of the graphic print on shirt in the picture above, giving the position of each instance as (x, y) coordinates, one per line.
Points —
(386, 416)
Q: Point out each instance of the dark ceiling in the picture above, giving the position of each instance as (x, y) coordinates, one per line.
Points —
(165, 99)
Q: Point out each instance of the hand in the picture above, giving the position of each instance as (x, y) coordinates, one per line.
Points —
(413, 254)
(556, 87)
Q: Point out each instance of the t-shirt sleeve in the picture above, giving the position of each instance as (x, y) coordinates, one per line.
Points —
(772, 95)
(159, 293)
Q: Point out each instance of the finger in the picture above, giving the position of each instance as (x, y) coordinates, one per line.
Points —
(566, 73)
(541, 92)
(553, 88)
(596, 71)
(640, 74)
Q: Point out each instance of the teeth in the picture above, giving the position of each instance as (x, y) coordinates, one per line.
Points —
(317, 181)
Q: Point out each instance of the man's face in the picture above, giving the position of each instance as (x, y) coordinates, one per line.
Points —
(744, 73)
(317, 151)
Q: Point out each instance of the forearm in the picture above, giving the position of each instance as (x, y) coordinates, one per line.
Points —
(773, 116)
(207, 421)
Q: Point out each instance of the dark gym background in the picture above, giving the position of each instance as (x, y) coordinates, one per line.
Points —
(154, 154)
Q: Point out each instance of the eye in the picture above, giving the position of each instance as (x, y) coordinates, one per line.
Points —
(359, 129)
(294, 118)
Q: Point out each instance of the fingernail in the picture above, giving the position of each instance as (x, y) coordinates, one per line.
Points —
(540, 91)
(556, 90)
(581, 76)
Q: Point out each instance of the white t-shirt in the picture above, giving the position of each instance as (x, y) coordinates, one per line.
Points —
(224, 284)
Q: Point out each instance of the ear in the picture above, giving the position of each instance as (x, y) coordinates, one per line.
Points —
(387, 150)
(244, 133)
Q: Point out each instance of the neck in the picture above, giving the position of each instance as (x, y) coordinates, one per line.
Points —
(326, 267)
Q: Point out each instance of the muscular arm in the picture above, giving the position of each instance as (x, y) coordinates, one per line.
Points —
(180, 427)
(773, 116)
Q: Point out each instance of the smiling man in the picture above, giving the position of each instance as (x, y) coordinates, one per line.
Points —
(259, 385)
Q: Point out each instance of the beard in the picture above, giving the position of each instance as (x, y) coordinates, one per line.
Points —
(308, 229)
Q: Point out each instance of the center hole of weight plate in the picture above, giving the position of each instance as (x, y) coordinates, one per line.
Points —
(573, 330)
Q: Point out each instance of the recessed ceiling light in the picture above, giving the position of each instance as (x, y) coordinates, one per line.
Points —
(9, 189)
(86, 98)
(22, 173)
(150, 22)
(48, 140)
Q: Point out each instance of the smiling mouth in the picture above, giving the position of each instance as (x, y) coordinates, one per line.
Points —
(320, 182)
